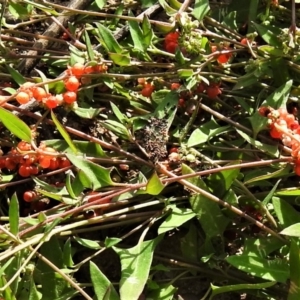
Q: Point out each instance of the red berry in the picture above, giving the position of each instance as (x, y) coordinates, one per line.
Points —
(172, 37)
(100, 68)
(2, 163)
(72, 84)
(44, 161)
(29, 196)
(24, 146)
(54, 164)
(70, 97)
(213, 91)
(244, 41)
(275, 134)
(39, 93)
(173, 150)
(147, 90)
(34, 170)
(175, 86)
(89, 69)
(171, 47)
(201, 87)
(10, 164)
(223, 58)
(24, 171)
(78, 69)
(50, 102)
(181, 102)
(64, 162)
(23, 97)
(141, 81)
(264, 111)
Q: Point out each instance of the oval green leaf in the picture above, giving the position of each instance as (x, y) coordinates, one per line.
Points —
(15, 125)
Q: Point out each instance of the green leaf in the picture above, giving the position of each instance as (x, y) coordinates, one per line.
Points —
(87, 243)
(33, 292)
(164, 291)
(17, 77)
(269, 34)
(261, 247)
(216, 290)
(286, 214)
(44, 79)
(280, 96)
(177, 217)
(63, 132)
(185, 73)
(258, 123)
(69, 186)
(167, 107)
(154, 185)
(97, 175)
(294, 290)
(201, 9)
(18, 10)
(190, 243)
(67, 254)
(288, 192)
(88, 44)
(275, 270)
(168, 9)
(108, 40)
(205, 132)
(245, 80)
(52, 286)
(253, 11)
(12, 269)
(136, 34)
(87, 113)
(15, 125)
(119, 129)
(269, 149)
(8, 294)
(271, 193)
(101, 3)
(88, 148)
(293, 230)
(147, 32)
(109, 242)
(135, 267)
(121, 117)
(268, 173)
(121, 59)
(102, 286)
(271, 50)
(221, 182)
(77, 186)
(208, 212)
(14, 215)
(280, 70)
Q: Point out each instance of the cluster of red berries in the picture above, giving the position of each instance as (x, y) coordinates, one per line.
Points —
(171, 41)
(72, 82)
(30, 162)
(175, 86)
(212, 90)
(285, 127)
(147, 87)
(222, 58)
